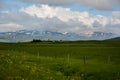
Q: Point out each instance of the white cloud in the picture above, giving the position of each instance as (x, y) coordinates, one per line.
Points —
(98, 4)
(61, 19)
(10, 27)
(77, 21)
(116, 14)
(45, 11)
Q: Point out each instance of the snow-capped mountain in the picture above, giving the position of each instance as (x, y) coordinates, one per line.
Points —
(102, 35)
(28, 35)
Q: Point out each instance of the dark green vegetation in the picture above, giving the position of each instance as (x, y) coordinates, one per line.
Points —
(80, 60)
(114, 39)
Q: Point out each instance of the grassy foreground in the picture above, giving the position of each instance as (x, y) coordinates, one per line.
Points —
(82, 60)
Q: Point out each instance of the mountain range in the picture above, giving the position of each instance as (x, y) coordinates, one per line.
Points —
(28, 35)
(114, 39)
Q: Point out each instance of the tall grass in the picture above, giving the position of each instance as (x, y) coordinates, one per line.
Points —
(49, 61)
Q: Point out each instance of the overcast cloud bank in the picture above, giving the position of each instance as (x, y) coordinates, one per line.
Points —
(56, 18)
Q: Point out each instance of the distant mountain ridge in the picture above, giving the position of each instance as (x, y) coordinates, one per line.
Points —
(28, 35)
(114, 39)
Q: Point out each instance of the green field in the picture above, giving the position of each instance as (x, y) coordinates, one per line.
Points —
(80, 60)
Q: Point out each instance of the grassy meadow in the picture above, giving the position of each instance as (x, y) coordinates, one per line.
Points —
(80, 60)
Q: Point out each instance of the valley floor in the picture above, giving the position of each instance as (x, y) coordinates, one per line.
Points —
(82, 60)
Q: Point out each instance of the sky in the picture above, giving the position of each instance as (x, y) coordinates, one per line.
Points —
(76, 16)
